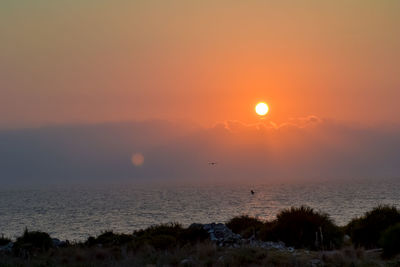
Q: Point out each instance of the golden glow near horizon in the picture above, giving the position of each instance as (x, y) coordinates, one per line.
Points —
(262, 109)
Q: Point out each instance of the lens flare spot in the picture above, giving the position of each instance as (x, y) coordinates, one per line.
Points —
(137, 159)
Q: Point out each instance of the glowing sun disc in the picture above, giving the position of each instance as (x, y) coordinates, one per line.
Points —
(262, 109)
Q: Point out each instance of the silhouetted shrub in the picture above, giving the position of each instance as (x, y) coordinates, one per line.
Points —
(91, 241)
(267, 232)
(109, 238)
(193, 234)
(173, 229)
(4, 240)
(160, 237)
(165, 236)
(304, 228)
(31, 241)
(390, 241)
(162, 241)
(245, 225)
(367, 230)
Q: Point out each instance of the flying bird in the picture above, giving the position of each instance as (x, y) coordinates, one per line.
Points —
(212, 163)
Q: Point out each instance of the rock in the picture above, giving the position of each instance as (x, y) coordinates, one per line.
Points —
(222, 235)
(7, 248)
(187, 262)
(268, 245)
(58, 243)
(221, 258)
(315, 262)
(212, 237)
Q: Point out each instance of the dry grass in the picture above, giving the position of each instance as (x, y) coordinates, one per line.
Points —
(199, 254)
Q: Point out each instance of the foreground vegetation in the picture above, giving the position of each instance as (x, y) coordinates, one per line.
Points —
(201, 254)
(370, 240)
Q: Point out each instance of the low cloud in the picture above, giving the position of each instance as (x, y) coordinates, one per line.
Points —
(300, 149)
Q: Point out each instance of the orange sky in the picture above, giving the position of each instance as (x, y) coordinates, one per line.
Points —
(204, 61)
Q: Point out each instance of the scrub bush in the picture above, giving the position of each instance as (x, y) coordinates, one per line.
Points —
(245, 225)
(366, 231)
(109, 238)
(305, 228)
(171, 235)
(32, 241)
(390, 241)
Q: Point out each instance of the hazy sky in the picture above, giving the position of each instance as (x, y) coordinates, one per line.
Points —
(157, 151)
(186, 76)
(204, 61)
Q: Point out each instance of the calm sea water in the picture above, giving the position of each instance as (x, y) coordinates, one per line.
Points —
(74, 213)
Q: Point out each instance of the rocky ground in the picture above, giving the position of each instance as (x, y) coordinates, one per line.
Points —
(222, 236)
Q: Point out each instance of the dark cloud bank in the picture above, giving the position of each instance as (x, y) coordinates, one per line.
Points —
(302, 149)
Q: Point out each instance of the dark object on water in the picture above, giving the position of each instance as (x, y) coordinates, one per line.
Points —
(252, 192)
(212, 163)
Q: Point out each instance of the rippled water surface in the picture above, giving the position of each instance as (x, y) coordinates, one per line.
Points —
(74, 213)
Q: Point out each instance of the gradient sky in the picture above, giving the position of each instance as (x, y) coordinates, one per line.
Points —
(203, 61)
(154, 89)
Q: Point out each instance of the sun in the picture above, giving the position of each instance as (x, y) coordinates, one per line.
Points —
(262, 109)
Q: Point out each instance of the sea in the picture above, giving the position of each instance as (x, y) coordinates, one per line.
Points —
(76, 212)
